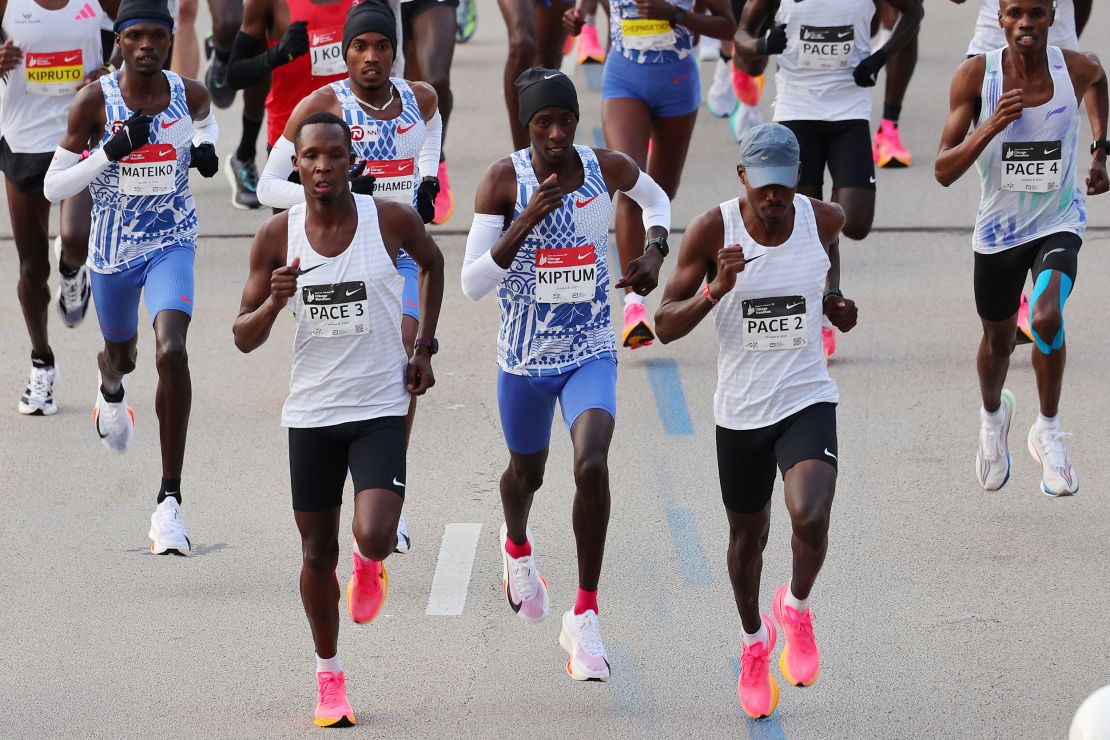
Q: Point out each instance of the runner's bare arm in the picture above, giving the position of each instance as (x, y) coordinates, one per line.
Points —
(1090, 82)
(752, 19)
(270, 284)
(718, 23)
(621, 173)
(274, 188)
(958, 148)
(684, 302)
(910, 14)
(842, 312)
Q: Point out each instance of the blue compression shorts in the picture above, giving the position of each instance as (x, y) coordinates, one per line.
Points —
(411, 293)
(164, 277)
(668, 89)
(527, 403)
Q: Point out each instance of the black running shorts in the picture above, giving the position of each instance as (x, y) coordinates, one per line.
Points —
(26, 172)
(746, 458)
(1000, 277)
(842, 146)
(413, 8)
(319, 458)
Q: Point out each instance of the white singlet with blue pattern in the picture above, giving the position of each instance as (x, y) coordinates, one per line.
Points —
(625, 10)
(548, 338)
(125, 227)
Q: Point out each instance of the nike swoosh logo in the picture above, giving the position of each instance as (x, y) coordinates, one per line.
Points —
(1050, 151)
(509, 597)
(793, 305)
(548, 77)
(162, 153)
(405, 129)
(764, 157)
(398, 483)
(1053, 251)
(843, 34)
(167, 125)
(309, 269)
(102, 434)
(584, 203)
(872, 180)
(678, 80)
(73, 58)
(830, 454)
(349, 294)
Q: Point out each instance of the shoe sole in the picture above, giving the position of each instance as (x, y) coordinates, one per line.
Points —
(638, 336)
(156, 549)
(777, 610)
(344, 721)
(568, 645)
(774, 701)
(385, 594)
(1006, 396)
(408, 546)
(1044, 488)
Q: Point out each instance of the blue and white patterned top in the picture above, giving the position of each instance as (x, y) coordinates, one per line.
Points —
(652, 45)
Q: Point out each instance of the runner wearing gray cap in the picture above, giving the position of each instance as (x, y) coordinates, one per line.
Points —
(766, 265)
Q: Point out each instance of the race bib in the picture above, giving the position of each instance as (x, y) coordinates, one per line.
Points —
(54, 72)
(642, 34)
(1031, 166)
(566, 275)
(825, 47)
(326, 48)
(336, 310)
(775, 323)
(149, 170)
(394, 179)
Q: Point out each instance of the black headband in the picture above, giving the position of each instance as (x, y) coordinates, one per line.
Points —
(538, 88)
(138, 11)
(370, 16)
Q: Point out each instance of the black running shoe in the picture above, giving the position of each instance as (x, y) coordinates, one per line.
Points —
(244, 183)
(215, 79)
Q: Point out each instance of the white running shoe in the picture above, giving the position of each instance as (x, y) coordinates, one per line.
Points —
(114, 422)
(72, 296)
(721, 98)
(404, 543)
(38, 398)
(743, 118)
(581, 638)
(1058, 477)
(167, 529)
(709, 49)
(992, 459)
(525, 588)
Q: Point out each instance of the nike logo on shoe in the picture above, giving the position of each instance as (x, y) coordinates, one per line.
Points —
(509, 597)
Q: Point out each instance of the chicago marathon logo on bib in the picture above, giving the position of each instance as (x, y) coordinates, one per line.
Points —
(775, 323)
(393, 179)
(326, 47)
(566, 275)
(1031, 166)
(336, 310)
(55, 72)
(149, 170)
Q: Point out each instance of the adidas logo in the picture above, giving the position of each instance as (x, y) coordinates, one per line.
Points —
(85, 12)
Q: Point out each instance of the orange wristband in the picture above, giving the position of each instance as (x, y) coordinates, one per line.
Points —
(708, 296)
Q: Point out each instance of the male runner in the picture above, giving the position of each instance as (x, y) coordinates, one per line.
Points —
(52, 49)
(1022, 104)
(331, 259)
(886, 148)
(775, 402)
(536, 37)
(396, 140)
(145, 129)
(539, 238)
(1071, 18)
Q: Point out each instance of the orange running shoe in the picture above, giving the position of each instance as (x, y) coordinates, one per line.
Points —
(800, 662)
(828, 340)
(332, 707)
(568, 45)
(748, 89)
(445, 201)
(887, 148)
(637, 331)
(589, 47)
(367, 589)
(758, 691)
(1024, 330)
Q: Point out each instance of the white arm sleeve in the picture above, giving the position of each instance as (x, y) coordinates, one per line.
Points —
(274, 188)
(207, 131)
(428, 160)
(653, 200)
(68, 174)
(480, 274)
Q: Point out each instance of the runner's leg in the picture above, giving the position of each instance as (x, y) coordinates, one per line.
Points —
(319, 584)
(520, 21)
(74, 223)
(1047, 320)
(174, 396)
(186, 50)
(627, 125)
(30, 217)
(591, 434)
(809, 487)
(375, 522)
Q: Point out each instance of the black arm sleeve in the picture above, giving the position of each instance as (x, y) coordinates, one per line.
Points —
(250, 61)
(107, 43)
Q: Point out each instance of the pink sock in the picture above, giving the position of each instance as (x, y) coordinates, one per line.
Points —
(586, 601)
(515, 550)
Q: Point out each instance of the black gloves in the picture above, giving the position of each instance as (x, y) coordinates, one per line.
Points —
(426, 198)
(134, 132)
(204, 159)
(294, 177)
(868, 70)
(773, 43)
(361, 184)
(294, 43)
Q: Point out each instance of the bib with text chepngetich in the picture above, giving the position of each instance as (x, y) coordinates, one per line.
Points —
(54, 72)
(642, 34)
(566, 275)
(1031, 166)
(826, 47)
(775, 323)
(336, 310)
(326, 48)
(394, 179)
(149, 170)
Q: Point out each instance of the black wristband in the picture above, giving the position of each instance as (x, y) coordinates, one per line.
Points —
(831, 291)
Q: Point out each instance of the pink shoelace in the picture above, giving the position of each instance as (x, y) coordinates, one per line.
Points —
(753, 662)
(801, 625)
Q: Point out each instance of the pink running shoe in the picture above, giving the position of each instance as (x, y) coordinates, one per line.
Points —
(589, 47)
(758, 691)
(332, 707)
(887, 147)
(637, 331)
(568, 45)
(748, 89)
(445, 201)
(367, 589)
(800, 662)
(525, 588)
(581, 638)
(828, 340)
(1024, 330)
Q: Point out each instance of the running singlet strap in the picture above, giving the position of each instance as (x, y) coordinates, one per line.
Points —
(555, 296)
(825, 40)
(143, 202)
(770, 363)
(348, 359)
(646, 41)
(1028, 172)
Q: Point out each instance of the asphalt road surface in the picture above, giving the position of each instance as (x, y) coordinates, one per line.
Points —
(942, 611)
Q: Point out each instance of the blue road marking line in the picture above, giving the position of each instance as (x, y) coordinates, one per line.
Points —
(594, 75)
(626, 693)
(691, 558)
(599, 137)
(666, 387)
(759, 729)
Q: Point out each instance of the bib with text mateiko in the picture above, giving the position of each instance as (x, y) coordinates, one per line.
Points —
(336, 310)
(326, 47)
(1031, 166)
(775, 323)
(149, 170)
(54, 72)
(825, 47)
(566, 275)
(643, 34)
(393, 179)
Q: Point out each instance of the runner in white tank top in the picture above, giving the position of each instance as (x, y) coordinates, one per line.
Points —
(988, 34)
(767, 266)
(1022, 104)
(331, 260)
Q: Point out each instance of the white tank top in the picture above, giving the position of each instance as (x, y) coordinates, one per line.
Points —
(989, 36)
(771, 363)
(59, 47)
(348, 359)
(1028, 172)
(825, 40)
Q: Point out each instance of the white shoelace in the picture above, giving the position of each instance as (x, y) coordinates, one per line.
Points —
(1052, 443)
(41, 383)
(990, 443)
(73, 289)
(589, 636)
(523, 573)
(168, 518)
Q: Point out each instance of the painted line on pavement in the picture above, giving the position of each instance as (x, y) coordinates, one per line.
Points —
(626, 693)
(759, 729)
(691, 557)
(666, 386)
(595, 73)
(452, 577)
(599, 137)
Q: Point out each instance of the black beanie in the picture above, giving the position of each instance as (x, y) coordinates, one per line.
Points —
(137, 11)
(367, 16)
(538, 88)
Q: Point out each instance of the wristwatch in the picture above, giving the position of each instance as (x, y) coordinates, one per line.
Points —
(1102, 144)
(679, 17)
(661, 243)
(432, 345)
(831, 291)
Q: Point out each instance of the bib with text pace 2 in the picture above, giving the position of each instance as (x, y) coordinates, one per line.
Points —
(642, 34)
(336, 310)
(149, 170)
(326, 47)
(775, 323)
(566, 275)
(1031, 166)
(393, 179)
(825, 47)
(54, 73)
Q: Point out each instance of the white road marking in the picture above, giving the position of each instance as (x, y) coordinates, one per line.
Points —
(452, 576)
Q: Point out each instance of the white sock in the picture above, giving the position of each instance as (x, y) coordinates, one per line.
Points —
(759, 635)
(632, 297)
(993, 418)
(328, 665)
(794, 602)
(1045, 423)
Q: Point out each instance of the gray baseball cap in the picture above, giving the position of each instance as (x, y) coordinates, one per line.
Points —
(770, 155)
